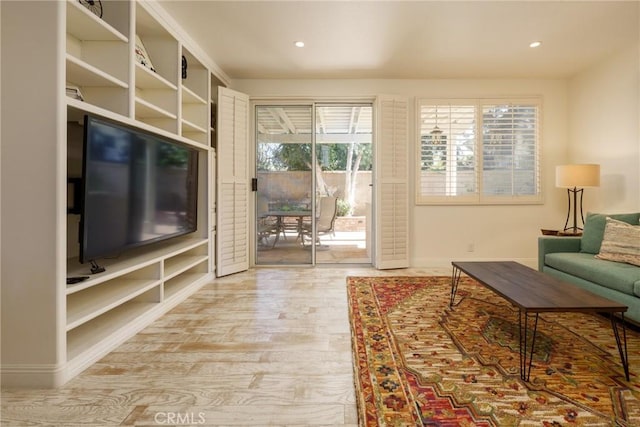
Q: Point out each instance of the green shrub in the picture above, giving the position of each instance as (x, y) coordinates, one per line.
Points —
(344, 208)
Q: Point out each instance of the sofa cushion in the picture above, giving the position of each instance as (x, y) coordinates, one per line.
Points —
(594, 229)
(614, 275)
(621, 242)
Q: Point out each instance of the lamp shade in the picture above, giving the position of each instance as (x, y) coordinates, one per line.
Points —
(578, 176)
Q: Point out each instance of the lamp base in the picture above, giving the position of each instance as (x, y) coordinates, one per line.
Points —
(574, 229)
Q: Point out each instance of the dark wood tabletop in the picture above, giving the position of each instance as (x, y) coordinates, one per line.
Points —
(298, 213)
(534, 291)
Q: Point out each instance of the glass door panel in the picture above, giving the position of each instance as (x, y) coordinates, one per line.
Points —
(284, 144)
(343, 178)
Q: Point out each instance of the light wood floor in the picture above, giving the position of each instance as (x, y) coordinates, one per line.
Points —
(263, 347)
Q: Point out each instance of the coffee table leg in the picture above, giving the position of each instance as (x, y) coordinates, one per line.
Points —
(455, 279)
(525, 366)
(622, 343)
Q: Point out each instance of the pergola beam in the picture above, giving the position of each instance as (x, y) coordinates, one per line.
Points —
(324, 138)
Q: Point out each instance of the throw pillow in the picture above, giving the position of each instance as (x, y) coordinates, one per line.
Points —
(594, 229)
(621, 242)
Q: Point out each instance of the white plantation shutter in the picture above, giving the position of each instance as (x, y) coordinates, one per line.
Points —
(448, 158)
(392, 183)
(510, 150)
(478, 151)
(233, 183)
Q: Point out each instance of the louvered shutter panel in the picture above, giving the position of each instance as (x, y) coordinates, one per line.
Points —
(392, 183)
(448, 158)
(233, 183)
(509, 150)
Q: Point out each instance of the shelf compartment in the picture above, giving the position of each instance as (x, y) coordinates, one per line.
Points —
(161, 45)
(197, 80)
(197, 137)
(147, 110)
(192, 244)
(190, 97)
(84, 25)
(195, 133)
(189, 127)
(195, 122)
(178, 284)
(115, 100)
(83, 339)
(176, 265)
(183, 260)
(99, 88)
(147, 79)
(82, 306)
(82, 73)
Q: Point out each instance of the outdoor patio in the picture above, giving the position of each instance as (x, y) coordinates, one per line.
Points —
(347, 245)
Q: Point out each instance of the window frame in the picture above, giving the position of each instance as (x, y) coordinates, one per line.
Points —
(478, 198)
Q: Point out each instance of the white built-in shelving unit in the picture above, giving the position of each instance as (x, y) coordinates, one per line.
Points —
(82, 322)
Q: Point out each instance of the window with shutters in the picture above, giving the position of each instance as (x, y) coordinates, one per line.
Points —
(478, 151)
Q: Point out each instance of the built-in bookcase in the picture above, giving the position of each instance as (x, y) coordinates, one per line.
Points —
(103, 56)
(95, 56)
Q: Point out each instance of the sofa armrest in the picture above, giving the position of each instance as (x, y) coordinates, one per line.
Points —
(551, 244)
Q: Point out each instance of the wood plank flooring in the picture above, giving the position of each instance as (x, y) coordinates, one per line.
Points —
(267, 347)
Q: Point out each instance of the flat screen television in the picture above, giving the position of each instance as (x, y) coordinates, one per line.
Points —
(138, 188)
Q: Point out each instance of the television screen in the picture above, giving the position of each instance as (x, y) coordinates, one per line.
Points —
(138, 188)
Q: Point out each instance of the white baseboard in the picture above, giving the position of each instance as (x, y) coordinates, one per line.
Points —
(32, 376)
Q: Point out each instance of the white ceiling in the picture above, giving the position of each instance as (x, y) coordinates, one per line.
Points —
(407, 39)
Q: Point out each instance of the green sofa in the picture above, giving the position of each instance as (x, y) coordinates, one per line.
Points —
(573, 259)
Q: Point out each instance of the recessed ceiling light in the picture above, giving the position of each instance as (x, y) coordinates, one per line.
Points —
(535, 44)
(299, 44)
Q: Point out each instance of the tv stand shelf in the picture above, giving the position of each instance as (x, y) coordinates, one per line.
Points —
(85, 306)
(129, 290)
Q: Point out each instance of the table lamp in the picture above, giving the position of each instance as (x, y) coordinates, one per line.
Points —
(575, 178)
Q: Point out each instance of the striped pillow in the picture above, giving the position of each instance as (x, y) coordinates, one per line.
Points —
(621, 242)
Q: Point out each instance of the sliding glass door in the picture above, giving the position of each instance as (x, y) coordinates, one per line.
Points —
(314, 183)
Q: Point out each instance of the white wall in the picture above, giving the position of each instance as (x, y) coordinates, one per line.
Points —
(604, 128)
(33, 298)
(441, 234)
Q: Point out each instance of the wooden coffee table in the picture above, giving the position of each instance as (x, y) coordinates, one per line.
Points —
(533, 293)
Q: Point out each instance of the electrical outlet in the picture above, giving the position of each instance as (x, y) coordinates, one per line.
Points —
(471, 247)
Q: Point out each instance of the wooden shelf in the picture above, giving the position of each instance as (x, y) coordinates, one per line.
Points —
(83, 339)
(190, 97)
(84, 306)
(147, 79)
(77, 109)
(81, 73)
(189, 127)
(179, 284)
(176, 265)
(147, 110)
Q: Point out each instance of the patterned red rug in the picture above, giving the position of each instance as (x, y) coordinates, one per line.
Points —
(417, 362)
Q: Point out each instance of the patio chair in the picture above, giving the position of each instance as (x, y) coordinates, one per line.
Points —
(267, 225)
(325, 220)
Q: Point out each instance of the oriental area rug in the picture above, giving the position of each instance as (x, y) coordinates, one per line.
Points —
(419, 363)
